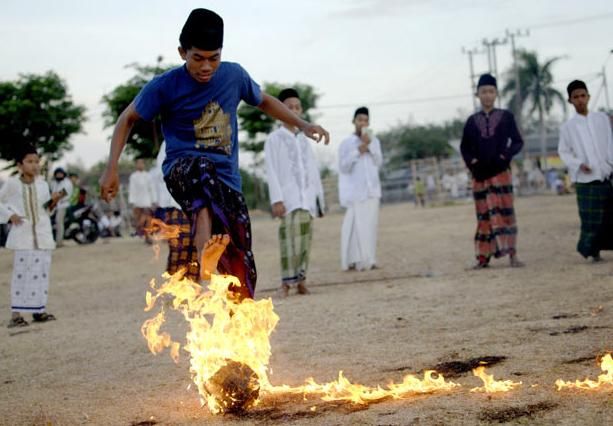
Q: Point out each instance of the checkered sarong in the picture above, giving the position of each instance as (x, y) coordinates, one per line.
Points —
(181, 251)
(595, 201)
(496, 228)
(295, 235)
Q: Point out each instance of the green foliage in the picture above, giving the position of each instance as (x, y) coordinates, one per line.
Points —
(146, 137)
(258, 125)
(37, 109)
(408, 142)
(255, 191)
(536, 83)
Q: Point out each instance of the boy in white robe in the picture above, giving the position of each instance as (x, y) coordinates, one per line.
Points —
(359, 188)
(25, 202)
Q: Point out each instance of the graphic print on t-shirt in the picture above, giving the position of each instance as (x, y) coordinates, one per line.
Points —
(213, 130)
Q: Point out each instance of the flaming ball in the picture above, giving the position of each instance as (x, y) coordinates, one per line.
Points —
(234, 386)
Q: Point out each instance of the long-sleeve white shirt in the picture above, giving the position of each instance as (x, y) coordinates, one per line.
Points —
(162, 195)
(27, 201)
(292, 172)
(142, 191)
(358, 177)
(66, 185)
(587, 140)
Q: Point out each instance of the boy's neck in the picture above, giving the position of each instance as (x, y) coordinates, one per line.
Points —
(487, 110)
(27, 178)
(291, 128)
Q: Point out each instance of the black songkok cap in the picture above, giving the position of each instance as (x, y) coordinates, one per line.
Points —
(487, 80)
(360, 110)
(203, 30)
(574, 85)
(288, 93)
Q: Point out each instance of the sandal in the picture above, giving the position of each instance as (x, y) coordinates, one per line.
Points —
(18, 322)
(43, 317)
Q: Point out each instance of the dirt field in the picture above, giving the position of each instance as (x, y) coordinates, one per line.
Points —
(420, 309)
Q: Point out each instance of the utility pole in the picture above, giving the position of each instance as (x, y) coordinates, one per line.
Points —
(473, 87)
(511, 35)
(490, 46)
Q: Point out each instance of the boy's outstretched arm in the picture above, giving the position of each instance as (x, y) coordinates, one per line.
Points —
(276, 109)
(109, 182)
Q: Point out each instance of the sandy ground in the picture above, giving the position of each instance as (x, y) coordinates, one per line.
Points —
(421, 308)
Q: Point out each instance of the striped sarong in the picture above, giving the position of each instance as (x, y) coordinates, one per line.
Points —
(295, 236)
(182, 252)
(194, 184)
(595, 201)
(496, 228)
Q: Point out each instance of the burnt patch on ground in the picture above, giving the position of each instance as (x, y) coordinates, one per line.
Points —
(503, 415)
(143, 423)
(572, 330)
(564, 316)
(451, 369)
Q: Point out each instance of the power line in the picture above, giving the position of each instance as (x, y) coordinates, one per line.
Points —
(396, 102)
(573, 21)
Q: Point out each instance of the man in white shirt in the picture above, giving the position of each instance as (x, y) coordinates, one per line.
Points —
(62, 186)
(586, 147)
(141, 197)
(296, 195)
(359, 192)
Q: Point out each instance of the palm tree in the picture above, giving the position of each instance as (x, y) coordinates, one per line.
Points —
(537, 93)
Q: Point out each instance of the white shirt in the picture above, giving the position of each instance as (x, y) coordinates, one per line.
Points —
(141, 191)
(26, 201)
(162, 196)
(587, 140)
(292, 172)
(358, 177)
(66, 185)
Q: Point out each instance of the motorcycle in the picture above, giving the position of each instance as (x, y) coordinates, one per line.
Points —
(81, 225)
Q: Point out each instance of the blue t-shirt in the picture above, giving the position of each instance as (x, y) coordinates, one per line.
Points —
(200, 118)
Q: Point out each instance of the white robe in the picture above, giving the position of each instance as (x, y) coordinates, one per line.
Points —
(141, 190)
(292, 172)
(27, 201)
(359, 193)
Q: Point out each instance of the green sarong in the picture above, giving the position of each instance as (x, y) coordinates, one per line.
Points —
(295, 235)
(595, 201)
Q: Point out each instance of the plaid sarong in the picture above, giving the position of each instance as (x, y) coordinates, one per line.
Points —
(496, 228)
(194, 184)
(295, 236)
(595, 201)
(181, 251)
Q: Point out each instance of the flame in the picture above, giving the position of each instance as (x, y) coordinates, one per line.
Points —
(490, 385)
(606, 365)
(222, 328)
(158, 231)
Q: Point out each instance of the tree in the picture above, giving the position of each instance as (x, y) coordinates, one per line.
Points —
(38, 109)
(537, 92)
(145, 138)
(406, 142)
(257, 125)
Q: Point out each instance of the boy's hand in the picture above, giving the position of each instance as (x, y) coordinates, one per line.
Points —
(585, 168)
(16, 219)
(278, 209)
(363, 148)
(109, 184)
(317, 133)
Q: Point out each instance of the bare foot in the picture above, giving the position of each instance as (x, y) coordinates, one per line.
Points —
(213, 249)
(302, 289)
(283, 291)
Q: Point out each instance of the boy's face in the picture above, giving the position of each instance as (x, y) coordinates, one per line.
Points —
(30, 165)
(294, 105)
(201, 64)
(140, 164)
(579, 98)
(360, 121)
(487, 96)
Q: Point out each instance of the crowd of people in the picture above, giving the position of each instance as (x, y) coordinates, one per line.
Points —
(196, 185)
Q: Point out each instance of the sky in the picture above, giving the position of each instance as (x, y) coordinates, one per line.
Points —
(401, 58)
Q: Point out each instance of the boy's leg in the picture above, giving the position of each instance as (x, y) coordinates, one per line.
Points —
(210, 247)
